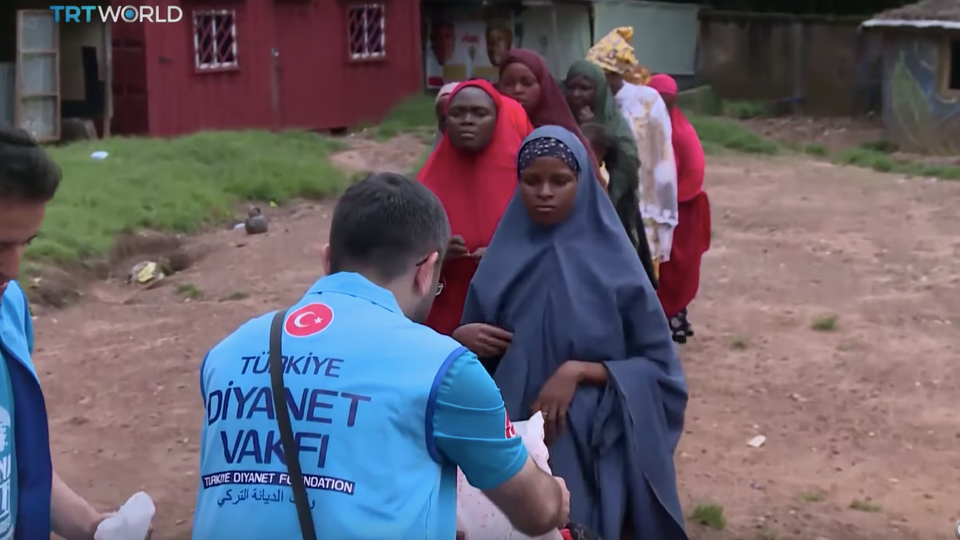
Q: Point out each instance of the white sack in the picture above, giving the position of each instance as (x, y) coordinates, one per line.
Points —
(131, 522)
(479, 518)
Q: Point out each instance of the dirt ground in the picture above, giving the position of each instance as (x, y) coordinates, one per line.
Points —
(859, 410)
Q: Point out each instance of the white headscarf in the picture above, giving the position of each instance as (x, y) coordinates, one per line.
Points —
(446, 90)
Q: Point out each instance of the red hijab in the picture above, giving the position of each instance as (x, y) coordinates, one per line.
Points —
(474, 190)
(687, 150)
(552, 108)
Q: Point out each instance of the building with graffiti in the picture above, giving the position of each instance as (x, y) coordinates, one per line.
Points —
(921, 75)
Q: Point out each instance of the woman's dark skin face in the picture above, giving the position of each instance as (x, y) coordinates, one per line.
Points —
(441, 110)
(518, 82)
(615, 80)
(471, 119)
(581, 93)
(548, 189)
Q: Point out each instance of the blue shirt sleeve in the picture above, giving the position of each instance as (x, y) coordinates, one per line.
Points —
(470, 425)
(28, 325)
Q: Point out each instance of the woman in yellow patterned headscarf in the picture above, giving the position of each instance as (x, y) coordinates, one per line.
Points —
(614, 53)
(649, 119)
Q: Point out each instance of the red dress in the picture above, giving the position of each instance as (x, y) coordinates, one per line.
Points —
(474, 190)
(680, 276)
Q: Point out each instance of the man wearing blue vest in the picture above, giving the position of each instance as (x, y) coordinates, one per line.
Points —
(33, 500)
(383, 408)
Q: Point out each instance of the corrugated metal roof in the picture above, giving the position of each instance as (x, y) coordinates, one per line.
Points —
(910, 23)
(925, 10)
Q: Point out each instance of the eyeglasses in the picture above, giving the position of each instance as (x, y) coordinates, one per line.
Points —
(439, 283)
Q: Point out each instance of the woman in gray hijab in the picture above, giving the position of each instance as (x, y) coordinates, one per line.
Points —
(591, 349)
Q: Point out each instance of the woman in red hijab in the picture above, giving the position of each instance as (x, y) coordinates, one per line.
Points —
(474, 174)
(524, 77)
(680, 276)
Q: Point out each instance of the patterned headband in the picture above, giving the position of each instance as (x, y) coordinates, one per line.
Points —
(547, 147)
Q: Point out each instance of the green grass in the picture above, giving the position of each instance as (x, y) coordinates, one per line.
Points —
(744, 110)
(189, 291)
(414, 114)
(816, 150)
(885, 147)
(235, 296)
(825, 323)
(740, 343)
(717, 134)
(881, 161)
(709, 515)
(765, 533)
(178, 185)
(722, 133)
(865, 505)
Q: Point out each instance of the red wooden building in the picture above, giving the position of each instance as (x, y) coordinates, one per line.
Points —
(226, 64)
(234, 64)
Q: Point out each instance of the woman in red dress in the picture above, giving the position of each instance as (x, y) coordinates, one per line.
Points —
(473, 172)
(680, 276)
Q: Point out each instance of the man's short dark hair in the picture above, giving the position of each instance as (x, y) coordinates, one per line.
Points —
(384, 224)
(26, 172)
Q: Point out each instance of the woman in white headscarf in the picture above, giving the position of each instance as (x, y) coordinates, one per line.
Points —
(440, 107)
(649, 119)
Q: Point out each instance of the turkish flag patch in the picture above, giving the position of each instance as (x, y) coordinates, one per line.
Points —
(509, 430)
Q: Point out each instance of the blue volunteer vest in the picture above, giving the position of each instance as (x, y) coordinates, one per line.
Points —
(30, 437)
(361, 382)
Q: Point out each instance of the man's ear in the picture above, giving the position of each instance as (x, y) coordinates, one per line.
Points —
(426, 272)
(325, 253)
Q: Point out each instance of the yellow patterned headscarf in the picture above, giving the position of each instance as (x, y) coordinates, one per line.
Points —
(614, 53)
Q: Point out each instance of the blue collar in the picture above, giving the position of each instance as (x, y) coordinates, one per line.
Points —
(353, 284)
(16, 329)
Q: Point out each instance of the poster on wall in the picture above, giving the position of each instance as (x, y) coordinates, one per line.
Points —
(465, 47)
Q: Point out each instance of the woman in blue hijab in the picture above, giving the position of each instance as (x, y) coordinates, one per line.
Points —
(591, 348)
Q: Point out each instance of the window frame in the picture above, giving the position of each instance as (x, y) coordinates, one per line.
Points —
(215, 67)
(20, 95)
(360, 57)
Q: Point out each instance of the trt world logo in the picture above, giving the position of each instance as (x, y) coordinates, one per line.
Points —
(151, 14)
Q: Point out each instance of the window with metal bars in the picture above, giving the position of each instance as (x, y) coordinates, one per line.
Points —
(366, 31)
(215, 39)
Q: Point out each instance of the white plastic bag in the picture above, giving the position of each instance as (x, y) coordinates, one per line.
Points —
(479, 518)
(131, 522)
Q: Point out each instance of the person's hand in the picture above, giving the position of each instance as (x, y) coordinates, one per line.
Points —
(456, 248)
(555, 398)
(483, 339)
(585, 115)
(478, 254)
(92, 528)
(563, 517)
